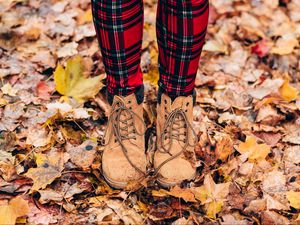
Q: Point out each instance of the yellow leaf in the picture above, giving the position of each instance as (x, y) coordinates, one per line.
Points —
(294, 199)
(201, 194)
(15, 208)
(256, 151)
(212, 195)
(85, 17)
(8, 90)
(288, 92)
(71, 82)
(48, 169)
(213, 208)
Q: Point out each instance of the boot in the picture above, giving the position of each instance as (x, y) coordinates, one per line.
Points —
(175, 156)
(124, 158)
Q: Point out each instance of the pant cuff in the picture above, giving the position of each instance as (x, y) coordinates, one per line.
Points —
(139, 94)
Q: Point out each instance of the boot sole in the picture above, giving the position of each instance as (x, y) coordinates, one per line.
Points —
(115, 184)
(167, 184)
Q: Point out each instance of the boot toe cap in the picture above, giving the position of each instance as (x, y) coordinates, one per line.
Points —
(118, 171)
(175, 171)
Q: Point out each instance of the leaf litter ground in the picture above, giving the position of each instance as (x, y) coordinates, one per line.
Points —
(246, 116)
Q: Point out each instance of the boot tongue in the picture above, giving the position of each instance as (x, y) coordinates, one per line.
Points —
(178, 103)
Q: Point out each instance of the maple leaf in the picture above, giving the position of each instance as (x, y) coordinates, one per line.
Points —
(71, 82)
(49, 167)
(254, 150)
(212, 195)
(294, 199)
(15, 208)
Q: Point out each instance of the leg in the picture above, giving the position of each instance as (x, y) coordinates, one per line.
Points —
(119, 28)
(181, 28)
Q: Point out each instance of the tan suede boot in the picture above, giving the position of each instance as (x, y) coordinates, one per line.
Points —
(124, 158)
(176, 140)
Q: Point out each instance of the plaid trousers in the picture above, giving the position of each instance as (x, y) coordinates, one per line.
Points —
(180, 28)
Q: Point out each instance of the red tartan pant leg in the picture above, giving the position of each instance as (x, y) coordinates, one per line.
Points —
(181, 28)
(119, 28)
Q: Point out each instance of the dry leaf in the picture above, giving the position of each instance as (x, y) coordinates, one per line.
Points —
(294, 199)
(185, 194)
(71, 82)
(212, 195)
(15, 208)
(253, 150)
(49, 167)
(288, 92)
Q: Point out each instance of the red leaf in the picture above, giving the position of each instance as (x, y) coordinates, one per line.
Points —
(43, 90)
(260, 48)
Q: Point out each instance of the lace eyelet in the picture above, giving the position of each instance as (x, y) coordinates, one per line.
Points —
(129, 101)
(187, 104)
(185, 110)
(166, 101)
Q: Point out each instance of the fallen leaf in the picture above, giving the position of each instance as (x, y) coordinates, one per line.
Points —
(288, 92)
(7, 89)
(43, 90)
(85, 17)
(266, 88)
(224, 148)
(15, 208)
(82, 155)
(294, 199)
(49, 167)
(285, 45)
(261, 48)
(71, 82)
(185, 194)
(69, 49)
(212, 195)
(253, 150)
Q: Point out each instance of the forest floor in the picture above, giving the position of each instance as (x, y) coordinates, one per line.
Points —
(247, 118)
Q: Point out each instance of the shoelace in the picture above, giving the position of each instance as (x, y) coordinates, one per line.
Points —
(124, 129)
(172, 133)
